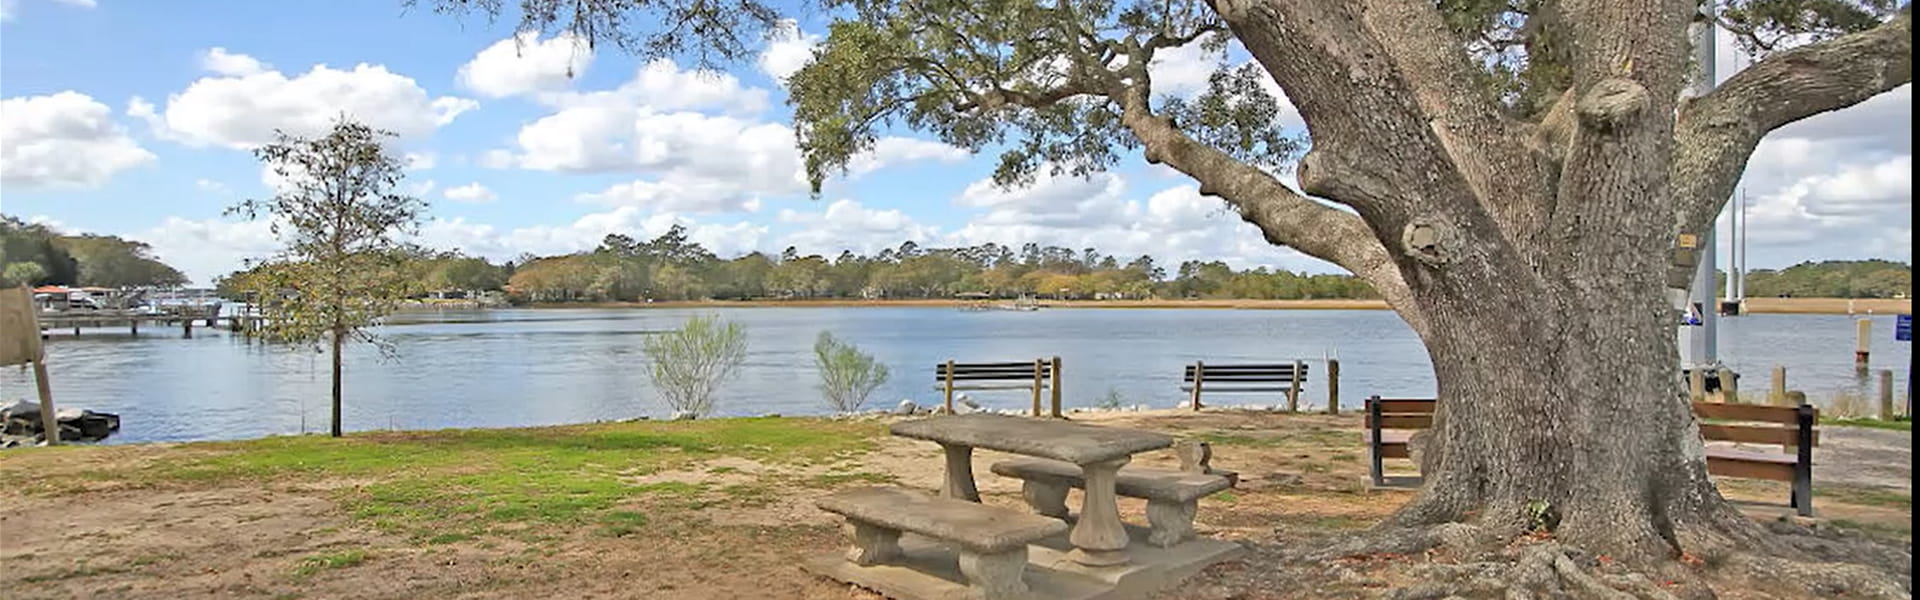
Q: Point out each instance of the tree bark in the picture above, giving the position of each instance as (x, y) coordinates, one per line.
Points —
(339, 339)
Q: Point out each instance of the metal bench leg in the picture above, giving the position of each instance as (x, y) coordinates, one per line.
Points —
(1172, 522)
(1048, 499)
(873, 544)
(995, 576)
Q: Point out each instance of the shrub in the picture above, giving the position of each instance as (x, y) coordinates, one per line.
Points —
(690, 363)
(847, 375)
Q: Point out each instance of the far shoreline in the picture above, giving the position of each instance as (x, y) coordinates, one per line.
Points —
(1825, 306)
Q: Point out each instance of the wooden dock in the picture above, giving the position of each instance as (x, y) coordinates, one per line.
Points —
(183, 317)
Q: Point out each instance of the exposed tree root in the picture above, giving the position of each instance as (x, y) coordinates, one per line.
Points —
(1466, 561)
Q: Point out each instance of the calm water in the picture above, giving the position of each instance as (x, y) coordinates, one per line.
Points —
(508, 368)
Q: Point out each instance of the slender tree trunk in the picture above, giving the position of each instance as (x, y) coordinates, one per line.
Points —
(339, 338)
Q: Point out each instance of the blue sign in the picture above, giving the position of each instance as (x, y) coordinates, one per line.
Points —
(1903, 329)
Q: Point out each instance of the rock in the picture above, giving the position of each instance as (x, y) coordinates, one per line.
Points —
(682, 415)
(20, 422)
(771, 415)
(965, 405)
(906, 407)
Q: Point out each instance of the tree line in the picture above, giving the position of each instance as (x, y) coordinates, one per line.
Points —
(1831, 279)
(34, 254)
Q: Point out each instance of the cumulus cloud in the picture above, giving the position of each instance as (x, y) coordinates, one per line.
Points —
(847, 225)
(219, 60)
(63, 140)
(787, 52)
(242, 110)
(677, 194)
(207, 249)
(585, 233)
(420, 161)
(472, 193)
(661, 85)
(525, 64)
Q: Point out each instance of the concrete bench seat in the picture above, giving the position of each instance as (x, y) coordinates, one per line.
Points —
(991, 541)
(1172, 496)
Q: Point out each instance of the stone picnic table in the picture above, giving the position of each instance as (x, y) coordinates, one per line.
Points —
(1099, 538)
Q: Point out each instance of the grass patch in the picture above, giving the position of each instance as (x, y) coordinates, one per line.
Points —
(832, 480)
(620, 523)
(1870, 423)
(1866, 496)
(325, 562)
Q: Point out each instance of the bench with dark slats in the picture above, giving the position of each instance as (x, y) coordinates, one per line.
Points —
(1038, 375)
(1391, 423)
(991, 541)
(1289, 378)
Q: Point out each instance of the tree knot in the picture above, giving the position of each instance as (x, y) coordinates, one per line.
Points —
(1429, 241)
(1612, 103)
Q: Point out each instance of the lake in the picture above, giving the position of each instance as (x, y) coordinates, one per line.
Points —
(508, 368)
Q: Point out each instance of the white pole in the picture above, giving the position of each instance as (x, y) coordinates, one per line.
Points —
(1700, 343)
(1746, 229)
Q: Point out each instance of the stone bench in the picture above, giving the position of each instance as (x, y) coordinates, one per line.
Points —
(1172, 496)
(991, 541)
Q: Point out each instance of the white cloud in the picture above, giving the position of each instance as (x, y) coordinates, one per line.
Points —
(420, 189)
(1184, 70)
(242, 111)
(677, 194)
(525, 64)
(1056, 201)
(212, 187)
(221, 62)
(63, 140)
(585, 233)
(9, 8)
(420, 161)
(661, 85)
(472, 193)
(787, 52)
(207, 249)
(899, 150)
(1856, 210)
(846, 225)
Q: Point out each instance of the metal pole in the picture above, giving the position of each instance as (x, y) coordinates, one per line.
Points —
(1700, 343)
(1746, 228)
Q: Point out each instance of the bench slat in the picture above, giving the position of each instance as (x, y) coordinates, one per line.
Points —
(1750, 412)
(1211, 378)
(981, 386)
(1405, 405)
(1749, 465)
(974, 526)
(1402, 421)
(1754, 435)
(1249, 367)
(1132, 482)
(982, 365)
(993, 376)
(1228, 388)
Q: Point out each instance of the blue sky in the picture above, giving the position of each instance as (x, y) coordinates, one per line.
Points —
(134, 118)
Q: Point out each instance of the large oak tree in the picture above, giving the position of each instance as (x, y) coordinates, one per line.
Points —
(1512, 175)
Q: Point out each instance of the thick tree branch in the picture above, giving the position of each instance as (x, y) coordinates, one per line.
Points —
(1716, 133)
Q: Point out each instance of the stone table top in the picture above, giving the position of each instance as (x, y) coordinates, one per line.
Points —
(1059, 440)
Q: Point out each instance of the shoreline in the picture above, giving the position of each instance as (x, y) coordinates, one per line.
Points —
(1826, 306)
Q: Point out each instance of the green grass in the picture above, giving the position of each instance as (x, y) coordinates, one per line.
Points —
(449, 485)
(1902, 425)
(324, 562)
(1866, 496)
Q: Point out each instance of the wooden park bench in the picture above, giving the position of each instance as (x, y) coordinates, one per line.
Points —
(1172, 496)
(1039, 375)
(1246, 378)
(991, 541)
(1391, 422)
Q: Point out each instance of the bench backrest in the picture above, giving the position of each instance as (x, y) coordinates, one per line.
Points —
(1400, 413)
(1783, 424)
(1246, 373)
(993, 371)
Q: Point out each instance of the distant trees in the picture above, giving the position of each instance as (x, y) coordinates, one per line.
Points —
(1831, 279)
(35, 254)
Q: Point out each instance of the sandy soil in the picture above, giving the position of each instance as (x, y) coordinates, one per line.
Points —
(1302, 477)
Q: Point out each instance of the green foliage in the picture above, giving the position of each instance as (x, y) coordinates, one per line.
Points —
(22, 273)
(333, 560)
(108, 261)
(847, 375)
(714, 32)
(690, 363)
(1830, 279)
(23, 242)
(1762, 26)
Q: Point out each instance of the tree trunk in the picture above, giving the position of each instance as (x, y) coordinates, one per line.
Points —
(339, 338)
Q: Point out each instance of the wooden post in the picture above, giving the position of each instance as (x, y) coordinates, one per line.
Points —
(1729, 389)
(1778, 395)
(49, 423)
(186, 328)
(134, 326)
(1375, 467)
(1333, 386)
(1886, 395)
(1056, 387)
(1199, 377)
(1697, 385)
(1293, 390)
(1862, 343)
(1039, 367)
(948, 376)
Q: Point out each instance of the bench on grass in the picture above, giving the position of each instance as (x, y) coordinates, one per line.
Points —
(1041, 374)
(1172, 496)
(1245, 378)
(1391, 422)
(991, 542)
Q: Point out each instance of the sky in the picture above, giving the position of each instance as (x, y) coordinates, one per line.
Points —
(136, 118)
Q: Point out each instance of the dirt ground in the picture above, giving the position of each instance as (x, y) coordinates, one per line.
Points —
(123, 536)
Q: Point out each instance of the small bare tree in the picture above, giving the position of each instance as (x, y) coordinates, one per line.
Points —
(847, 375)
(691, 362)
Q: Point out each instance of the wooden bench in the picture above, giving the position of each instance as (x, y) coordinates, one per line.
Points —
(991, 542)
(1172, 496)
(1039, 375)
(1245, 378)
(1391, 422)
